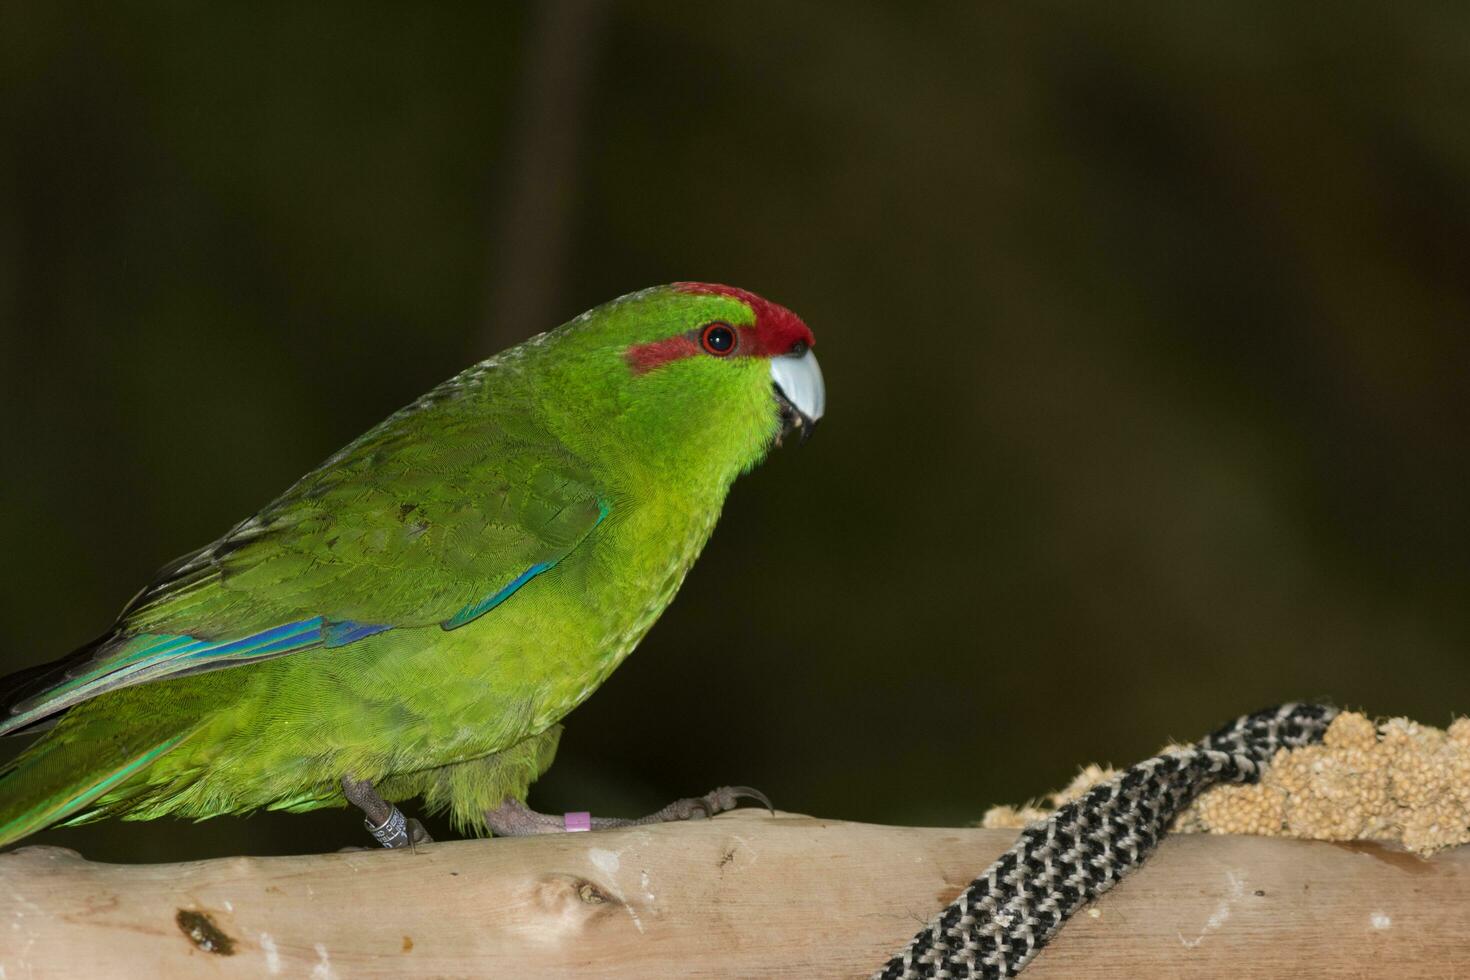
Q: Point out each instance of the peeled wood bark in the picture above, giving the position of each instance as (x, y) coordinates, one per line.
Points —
(744, 895)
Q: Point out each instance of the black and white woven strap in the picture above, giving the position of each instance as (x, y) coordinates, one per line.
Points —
(1000, 922)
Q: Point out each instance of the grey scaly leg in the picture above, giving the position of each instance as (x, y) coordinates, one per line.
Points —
(382, 819)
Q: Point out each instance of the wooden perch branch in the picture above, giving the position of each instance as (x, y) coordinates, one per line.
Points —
(744, 895)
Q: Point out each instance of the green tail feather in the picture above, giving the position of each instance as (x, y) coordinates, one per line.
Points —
(56, 778)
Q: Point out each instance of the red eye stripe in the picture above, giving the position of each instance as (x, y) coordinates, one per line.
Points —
(645, 357)
(776, 331)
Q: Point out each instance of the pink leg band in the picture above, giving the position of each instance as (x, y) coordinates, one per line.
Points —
(581, 820)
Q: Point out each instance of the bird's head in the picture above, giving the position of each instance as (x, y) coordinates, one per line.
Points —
(706, 371)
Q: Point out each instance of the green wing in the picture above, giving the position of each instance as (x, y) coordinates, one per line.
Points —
(431, 519)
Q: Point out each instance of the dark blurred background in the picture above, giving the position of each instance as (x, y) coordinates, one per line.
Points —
(1144, 329)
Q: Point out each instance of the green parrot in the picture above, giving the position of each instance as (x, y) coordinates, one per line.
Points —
(417, 615)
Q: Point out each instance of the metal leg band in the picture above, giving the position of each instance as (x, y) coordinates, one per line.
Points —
(392, 832)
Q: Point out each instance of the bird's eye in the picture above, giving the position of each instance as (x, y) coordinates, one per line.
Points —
(717, 338)
(798, 348)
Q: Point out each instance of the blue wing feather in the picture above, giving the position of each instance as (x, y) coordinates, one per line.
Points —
(153, 656)
(477, 609)
(127, 660)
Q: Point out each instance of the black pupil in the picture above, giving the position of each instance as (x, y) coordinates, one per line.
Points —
(719, 339)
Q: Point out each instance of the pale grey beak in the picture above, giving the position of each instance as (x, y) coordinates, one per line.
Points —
(799, 390)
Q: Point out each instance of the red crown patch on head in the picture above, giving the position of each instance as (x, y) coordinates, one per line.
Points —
(776, 329)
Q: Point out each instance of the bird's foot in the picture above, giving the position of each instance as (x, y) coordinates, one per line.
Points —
(514, 819)
(382, 819)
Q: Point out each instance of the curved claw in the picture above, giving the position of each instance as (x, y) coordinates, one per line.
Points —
(750, 792)
(513, 818)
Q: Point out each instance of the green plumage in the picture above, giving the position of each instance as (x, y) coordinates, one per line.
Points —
(460, 578)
